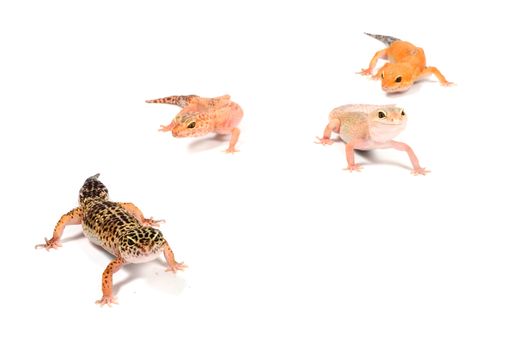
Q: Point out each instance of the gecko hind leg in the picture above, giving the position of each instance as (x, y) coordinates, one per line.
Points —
(137, 213)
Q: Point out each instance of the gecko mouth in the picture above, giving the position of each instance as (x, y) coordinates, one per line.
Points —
(395, 89)
(389, 122)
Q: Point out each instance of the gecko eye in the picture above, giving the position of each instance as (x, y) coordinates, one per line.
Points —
(130, 241)
(381, 114)
(382, 76)
(402, 113)
(398, 79)
(191, 125)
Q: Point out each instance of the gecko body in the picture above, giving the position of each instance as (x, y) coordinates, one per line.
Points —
(200, 116)
(407, 64)
(119, 228)
(367, 127)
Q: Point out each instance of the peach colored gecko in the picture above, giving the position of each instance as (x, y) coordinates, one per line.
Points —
(407, 64)
(366, 127)
(119, 228)
(200, 116)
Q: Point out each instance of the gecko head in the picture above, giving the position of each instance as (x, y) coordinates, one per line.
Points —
(386, 122)
(397, 77)
(92, 189)
(190, 124)
(141, 244)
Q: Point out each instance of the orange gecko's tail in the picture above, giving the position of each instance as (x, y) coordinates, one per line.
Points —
(178, 100)
(387, 40)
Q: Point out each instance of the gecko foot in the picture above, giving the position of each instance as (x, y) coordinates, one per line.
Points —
(354, 167)
(420, 171)
(231, 150)
(324, 141)
(107, 300)
(366, 71)
(152, 222)
(50, 243)
(177, 266)
(447, 83)
(165, 128)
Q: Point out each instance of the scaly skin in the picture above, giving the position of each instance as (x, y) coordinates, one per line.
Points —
(366, 127)
(407, 64)
(200, 116)
(119, 228)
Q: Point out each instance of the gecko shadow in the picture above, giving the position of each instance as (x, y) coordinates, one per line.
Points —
(208, 143)
(76, 237)
(371, 156)
(373, 159)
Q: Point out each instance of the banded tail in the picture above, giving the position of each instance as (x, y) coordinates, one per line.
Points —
(178, 100)
(92, 189)
(387, 40)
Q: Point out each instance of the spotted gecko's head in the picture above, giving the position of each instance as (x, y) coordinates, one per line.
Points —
(191, 124)
(386, 122)
(397, 77)
(92, 189)
(141, 244)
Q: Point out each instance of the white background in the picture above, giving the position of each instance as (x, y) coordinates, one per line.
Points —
(285, 249)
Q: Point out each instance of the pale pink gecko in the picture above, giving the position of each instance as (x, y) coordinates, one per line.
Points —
(366, 127)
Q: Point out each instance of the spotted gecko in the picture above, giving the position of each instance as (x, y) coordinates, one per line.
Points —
(407, 64)
(119, 228)
(200, 116)
(366, 127)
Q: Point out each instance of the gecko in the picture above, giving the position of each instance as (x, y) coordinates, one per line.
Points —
(407, 64)
(200, 116)
(366, 127)
(120, 228)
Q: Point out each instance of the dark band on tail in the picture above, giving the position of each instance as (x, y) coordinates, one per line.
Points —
(387, 40)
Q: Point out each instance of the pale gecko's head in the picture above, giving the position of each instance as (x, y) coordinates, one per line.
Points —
(141, 244)
(191, 124)
(397, 77)
(386, 122)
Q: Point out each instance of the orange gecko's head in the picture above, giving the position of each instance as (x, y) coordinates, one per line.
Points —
(397, 77)
(191, 124)
(386, 122)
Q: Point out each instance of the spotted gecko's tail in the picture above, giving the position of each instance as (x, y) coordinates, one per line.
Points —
(387, 40)
(178, 100)
(92, 189)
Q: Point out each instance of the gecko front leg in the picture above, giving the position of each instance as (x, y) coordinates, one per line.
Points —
(349, 154)
(172, 264)
(233, 140)
(107, 282)
(334, 125)
(436, 73)
(73, 217)
(417, 169)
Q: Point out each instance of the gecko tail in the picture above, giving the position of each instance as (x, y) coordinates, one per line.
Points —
(387, 40)
(178, 100)
(92, 189)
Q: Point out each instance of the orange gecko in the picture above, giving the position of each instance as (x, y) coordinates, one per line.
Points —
(200, 116)
(407, 64)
